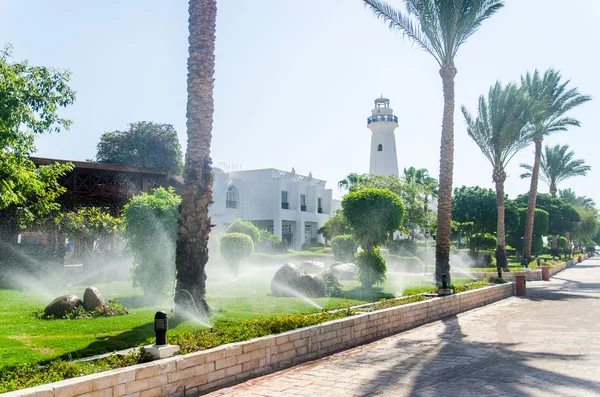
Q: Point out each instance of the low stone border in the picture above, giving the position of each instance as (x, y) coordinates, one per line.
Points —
(534, 275)
(229, 364)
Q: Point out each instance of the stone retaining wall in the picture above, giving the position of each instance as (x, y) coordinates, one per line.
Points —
(225, 365)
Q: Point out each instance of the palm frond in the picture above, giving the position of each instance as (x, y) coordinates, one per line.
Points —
(439, 27)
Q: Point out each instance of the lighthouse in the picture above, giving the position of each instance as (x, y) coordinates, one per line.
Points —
(382, 124)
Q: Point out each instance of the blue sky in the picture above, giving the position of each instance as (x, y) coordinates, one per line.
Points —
(296, 79)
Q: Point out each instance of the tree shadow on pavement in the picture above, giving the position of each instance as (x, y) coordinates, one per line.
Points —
(451, 365)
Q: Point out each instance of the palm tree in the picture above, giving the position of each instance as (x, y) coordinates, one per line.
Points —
(555, 101)
(570, 197)
(351, 180)
(194, 222)
(421, 177)
(557, 164)
(440, 27)
(501, 129)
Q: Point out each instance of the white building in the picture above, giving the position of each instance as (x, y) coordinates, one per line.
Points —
(291, 206)
(382, 123)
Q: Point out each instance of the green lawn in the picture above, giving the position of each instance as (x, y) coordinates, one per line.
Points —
(26, 339)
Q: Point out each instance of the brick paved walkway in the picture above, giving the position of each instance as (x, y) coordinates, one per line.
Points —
(547, 344)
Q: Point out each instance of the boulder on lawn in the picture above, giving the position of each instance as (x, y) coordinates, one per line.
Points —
(310, 267)
(285, 278)
(312, 286)
(334, 264)
(345, 271)
(92, 298)
(61, 305)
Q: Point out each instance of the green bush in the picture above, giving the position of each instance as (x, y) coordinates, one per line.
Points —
(536, 245)
(235, 247)
(111, 308)
(371, 268)
(150, 229)
(334, 288)
(562, 242)
(404, 247)
(344, 248)
(485, 242)
(409, 264)
(247, 228)
(373, 214)
(268, 243)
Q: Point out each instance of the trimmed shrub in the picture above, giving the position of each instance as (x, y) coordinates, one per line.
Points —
(373, 214)
(247, 228)
(334, 288)
(536, 245)
(344, 248)
(268, 243)
(234, 248)
(484, 242)
(405, 247)
(371, 268)
(150, 229)
(562, 242)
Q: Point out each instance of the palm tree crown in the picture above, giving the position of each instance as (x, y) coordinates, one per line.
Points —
(555, 101)
(570, 197)
(439, 27)
(502, 127)
(557, 165)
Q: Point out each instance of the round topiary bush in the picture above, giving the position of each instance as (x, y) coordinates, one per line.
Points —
(344, 248)
(234, 248)
(371, 268)
(247, 228)
(562, 242)
(485, 242)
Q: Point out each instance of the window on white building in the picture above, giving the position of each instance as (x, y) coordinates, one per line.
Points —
(320, 205)
(231, 198)
(302, 202)
(380, 148)
(284, 200)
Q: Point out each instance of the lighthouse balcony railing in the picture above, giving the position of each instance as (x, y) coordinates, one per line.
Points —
(385, 117)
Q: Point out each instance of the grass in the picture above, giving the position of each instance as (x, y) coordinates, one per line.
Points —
(26, 339)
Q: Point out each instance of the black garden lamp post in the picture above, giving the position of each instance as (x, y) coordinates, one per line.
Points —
(161, 324)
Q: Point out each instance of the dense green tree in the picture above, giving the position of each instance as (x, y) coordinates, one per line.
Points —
(372, 214)
(352, 179)
(555, 101)
(440, 27)
(30, 97)
(501, 130)
(145, 145)
(557, 164)
(515, 233)
(476, 213)
(194, 222)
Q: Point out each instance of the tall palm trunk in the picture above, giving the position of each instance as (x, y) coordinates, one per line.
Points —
(499, 178)
(442, 239)
(553, 188)
(194, 222)
(535, 172)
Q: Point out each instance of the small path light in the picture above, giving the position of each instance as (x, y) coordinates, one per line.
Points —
(539, 261)
(444, 281)
(161, 324)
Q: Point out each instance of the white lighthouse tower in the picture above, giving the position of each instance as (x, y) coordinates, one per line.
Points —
(382, 124)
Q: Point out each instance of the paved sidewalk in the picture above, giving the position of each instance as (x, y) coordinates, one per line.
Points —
(547, 344)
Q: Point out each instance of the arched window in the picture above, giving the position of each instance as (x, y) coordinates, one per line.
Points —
(231, 198)
(380, 147)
